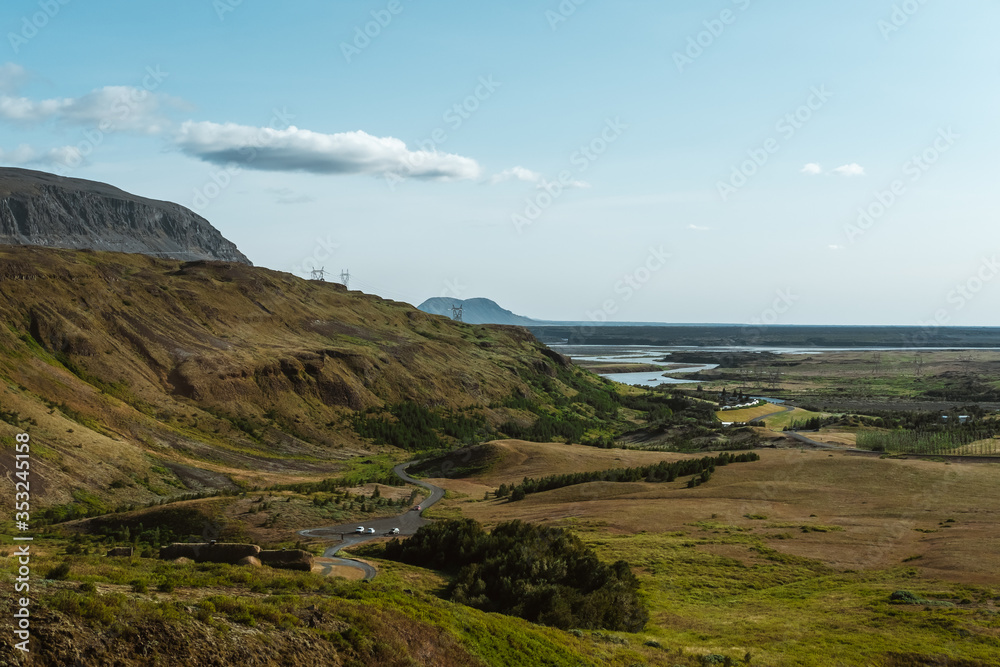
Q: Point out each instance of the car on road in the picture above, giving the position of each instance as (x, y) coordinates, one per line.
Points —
(417, 508)
(359, 529)
(395, 531)
(371, 531)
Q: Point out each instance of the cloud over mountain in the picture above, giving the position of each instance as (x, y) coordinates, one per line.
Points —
(295, 149)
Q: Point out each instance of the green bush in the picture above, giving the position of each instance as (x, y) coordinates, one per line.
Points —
(59, 572)
(545, 575)
(904, 597)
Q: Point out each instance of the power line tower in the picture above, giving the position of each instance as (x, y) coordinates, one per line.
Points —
(318, 274)
(456, 313)
(345, 278)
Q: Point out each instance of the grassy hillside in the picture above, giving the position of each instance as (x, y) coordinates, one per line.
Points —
(143, 612)
(791, 559)
(140, 378)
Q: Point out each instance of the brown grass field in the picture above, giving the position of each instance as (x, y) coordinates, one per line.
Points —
(877, 506)
(789, 560)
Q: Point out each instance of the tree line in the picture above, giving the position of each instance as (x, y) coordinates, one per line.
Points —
(664, 471)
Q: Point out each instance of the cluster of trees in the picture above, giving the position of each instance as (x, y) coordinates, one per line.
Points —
(548, 427)
(659, 409)
(893, 419)
(700, 479)
(664, 471)
(564, 417)
(811, 424)
(335, 484)
(413, 427)
(967, 439)
(544, 575)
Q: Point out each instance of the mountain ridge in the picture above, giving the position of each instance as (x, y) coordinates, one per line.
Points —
(42, 209)
(201, 374)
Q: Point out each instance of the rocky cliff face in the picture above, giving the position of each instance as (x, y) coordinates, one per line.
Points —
(37, 208)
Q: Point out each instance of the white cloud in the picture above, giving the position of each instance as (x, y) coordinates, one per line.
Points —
(111, 108)
(516, 174)
(11, 77)
(698, 228)
(812, 169)
(294, 149)
(26, 156)
(853, 169)
(522, 174)
(126, 108)
(289, 196)
(23, 110)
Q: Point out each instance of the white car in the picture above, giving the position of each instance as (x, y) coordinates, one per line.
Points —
(359, 529)
(395, 531)
(371, 531)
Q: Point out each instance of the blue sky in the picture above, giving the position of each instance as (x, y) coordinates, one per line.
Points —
(710, 161)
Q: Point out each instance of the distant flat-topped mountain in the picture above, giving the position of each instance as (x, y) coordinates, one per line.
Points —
(487, 311)
(476, 311)
(42, 209)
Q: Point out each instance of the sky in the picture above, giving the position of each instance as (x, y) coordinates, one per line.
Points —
(723, 161)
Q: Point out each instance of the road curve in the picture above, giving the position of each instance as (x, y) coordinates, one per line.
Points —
(408, 522)
(815, 443)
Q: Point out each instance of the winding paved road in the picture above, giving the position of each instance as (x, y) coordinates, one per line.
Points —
(408, 522)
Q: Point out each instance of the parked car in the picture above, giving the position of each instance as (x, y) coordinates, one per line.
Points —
(417, 508)
(371, 531)
(395, 531)
(359, 529)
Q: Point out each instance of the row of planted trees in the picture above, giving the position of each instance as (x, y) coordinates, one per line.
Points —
(664, 471)
(979, 441)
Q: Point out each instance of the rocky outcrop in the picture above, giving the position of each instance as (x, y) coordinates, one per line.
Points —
(41, 209)
(121, 552)
(202, 552)
(289, 559)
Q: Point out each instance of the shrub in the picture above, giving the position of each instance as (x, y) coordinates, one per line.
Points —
(59, 572)
(903, 597)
